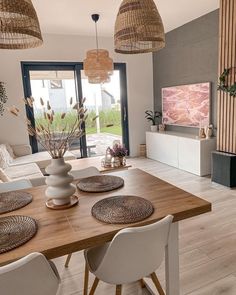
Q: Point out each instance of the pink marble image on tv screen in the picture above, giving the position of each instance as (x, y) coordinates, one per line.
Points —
(186, 105)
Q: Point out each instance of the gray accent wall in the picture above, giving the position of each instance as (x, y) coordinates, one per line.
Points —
(190, 56)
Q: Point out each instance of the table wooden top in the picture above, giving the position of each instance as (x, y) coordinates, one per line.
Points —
(95, 162)
(66, 231)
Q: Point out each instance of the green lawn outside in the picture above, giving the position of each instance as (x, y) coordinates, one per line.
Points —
(116, 130)
(106, 117)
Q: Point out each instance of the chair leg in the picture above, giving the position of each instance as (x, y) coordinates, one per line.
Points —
(142, 283)
(118, 289)
(157, 284)
(68, 260)
(94, 286)
(86, 279)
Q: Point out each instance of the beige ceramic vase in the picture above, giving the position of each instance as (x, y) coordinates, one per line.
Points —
(59, 181)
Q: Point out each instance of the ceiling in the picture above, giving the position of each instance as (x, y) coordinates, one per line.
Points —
(73, 16)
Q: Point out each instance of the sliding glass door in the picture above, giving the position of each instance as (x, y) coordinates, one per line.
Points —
(58, 83)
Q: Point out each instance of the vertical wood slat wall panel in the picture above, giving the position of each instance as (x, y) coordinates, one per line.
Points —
(220, 99)
(234, 75)
(226, 134)
(230, 117)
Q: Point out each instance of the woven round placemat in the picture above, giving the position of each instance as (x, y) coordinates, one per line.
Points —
(11, 201)
(122, 209)
(100, 183)
(16, 231)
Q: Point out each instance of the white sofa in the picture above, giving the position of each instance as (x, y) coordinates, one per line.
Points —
(24, 155)
(18, 162)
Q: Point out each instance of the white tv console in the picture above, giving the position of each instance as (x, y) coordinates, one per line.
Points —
(183, 151)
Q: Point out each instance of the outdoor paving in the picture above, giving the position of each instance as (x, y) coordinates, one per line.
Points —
(101, 140)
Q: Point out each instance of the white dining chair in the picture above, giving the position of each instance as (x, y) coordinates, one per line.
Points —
(134, 253)
(83, 173)
(80, 174)
(15, 185)
(31, 275)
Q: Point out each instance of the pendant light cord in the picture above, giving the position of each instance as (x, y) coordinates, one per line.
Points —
(95, 18)
(96, 30)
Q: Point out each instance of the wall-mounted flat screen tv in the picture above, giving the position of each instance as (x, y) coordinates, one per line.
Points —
(187, 105)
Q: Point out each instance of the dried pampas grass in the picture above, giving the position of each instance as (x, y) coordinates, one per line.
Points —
(46, 134)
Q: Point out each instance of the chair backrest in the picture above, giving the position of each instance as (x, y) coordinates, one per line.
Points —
(83, 173)
(15, 185)
(31, 275)
(135, 253)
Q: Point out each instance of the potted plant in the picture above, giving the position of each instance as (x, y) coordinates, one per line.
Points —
(153, 117)
(56, 134)
(119, 152)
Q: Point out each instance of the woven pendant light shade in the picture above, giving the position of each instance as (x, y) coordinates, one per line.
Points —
(19, 25)
(138, 27)
(98, 66)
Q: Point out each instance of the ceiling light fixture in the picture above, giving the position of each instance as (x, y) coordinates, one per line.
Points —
(138, 28)
(98, 66)
(19, 25)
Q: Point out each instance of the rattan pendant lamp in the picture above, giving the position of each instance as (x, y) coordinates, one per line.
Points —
(139, 27)
(19, 25)
(98, 66)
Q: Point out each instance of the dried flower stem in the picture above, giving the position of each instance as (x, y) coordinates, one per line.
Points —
(46, 134)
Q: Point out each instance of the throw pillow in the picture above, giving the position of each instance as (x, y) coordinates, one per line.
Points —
(3, 161)
(10, 150)
(3, 176)
(5, 158)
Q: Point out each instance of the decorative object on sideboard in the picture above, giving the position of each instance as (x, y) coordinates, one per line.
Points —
(119, 152)
(138, 28)
(154, 128)
(187, 105)
(3, 97)
(227, 81)
(60, 189)
(162, 127)
(209, 131)
(154, 118)
(98, 66)
(19, 27)
(202, 133)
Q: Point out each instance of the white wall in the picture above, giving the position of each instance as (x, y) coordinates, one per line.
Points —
(73, 48)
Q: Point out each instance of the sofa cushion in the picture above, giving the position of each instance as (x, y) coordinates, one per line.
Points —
(21, 150)
(42, 159)
(26, 171)
(5, 157)
(3, 176)
(10, 150)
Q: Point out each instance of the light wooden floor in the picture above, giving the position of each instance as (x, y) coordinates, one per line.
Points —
(207, 242)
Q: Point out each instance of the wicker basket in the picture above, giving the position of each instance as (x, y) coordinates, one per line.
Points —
(143, 150)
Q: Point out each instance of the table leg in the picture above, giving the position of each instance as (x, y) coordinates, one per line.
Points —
(172, 262)
(171, 265)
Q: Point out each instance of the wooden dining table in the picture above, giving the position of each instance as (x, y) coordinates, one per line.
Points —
(67, 231)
